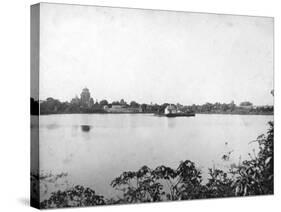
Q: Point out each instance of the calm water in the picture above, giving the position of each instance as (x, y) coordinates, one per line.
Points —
(94, 149)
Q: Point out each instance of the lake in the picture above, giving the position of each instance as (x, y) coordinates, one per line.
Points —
(93, 149)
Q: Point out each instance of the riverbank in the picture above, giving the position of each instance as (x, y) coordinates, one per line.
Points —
(237, 113)
(97, 113)
(217, 113)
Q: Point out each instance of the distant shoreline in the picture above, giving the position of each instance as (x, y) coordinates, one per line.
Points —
(210, 113)
(238, 113)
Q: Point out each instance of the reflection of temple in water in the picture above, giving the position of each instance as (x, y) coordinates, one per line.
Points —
(85, 128)
(170, 123)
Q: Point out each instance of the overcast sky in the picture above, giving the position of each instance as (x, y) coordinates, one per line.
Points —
(154, 56)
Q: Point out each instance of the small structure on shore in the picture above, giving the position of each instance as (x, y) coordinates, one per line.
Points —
(174, 111)
(170, 109)
(105, 107)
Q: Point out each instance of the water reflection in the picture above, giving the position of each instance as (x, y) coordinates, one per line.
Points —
(52, 126)
(85, 128)
(95, 148)
(68, 159)
(171, 123)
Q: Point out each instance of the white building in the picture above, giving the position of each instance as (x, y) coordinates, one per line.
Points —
(170, 109)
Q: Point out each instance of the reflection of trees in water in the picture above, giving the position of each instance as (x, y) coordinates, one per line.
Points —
(249, 177)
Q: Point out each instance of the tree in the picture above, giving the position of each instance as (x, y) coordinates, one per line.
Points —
(245, 104)
(51, 105)
(207, 107)
(103, 102)
(74, 197)
(144, 107)
(232, 106)
(219, 184)
(134, 104)
(115, 103)
(224, 107)
(255, 176)
(162, 183)
(139, 186)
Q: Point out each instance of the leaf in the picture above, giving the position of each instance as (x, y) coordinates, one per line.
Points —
(268, 160)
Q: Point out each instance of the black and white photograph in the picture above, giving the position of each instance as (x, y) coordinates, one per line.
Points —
(142, 105)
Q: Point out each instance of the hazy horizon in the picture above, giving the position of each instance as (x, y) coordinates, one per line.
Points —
(155, 56)
(147, 102)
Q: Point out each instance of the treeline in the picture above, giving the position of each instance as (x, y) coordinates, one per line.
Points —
(231, 108)
(250, 177)
(54, 106)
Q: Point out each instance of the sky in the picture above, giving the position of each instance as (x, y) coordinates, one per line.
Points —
(154, 56)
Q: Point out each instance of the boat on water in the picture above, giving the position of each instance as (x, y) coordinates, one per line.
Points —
(172, 111)
(179, 115)
(172, 115)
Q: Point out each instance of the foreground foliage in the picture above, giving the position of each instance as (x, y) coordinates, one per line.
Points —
(73, 197)
(250, 177)
(255, 176)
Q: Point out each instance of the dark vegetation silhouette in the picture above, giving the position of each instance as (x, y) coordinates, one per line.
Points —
(34, 107)
(74, 197)
(250, 177)
(54, 106)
